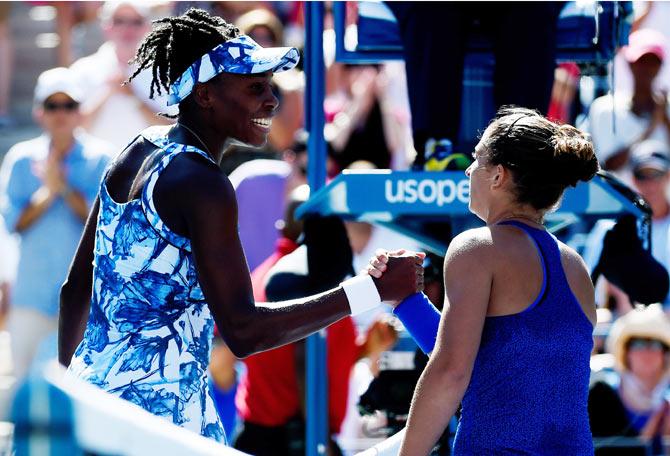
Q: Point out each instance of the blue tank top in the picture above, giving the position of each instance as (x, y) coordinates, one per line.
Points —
(529, 388)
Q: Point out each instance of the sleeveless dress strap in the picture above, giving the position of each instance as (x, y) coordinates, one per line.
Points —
(158, 135)
(103, 192)
(548, 243)
(534, 235)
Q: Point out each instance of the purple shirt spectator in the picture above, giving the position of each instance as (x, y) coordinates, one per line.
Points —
(260, 186)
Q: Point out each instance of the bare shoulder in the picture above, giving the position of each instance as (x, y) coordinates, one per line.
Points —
(132, 156)
(579, 279)
(573, 264)
(200, 178)
(471, 241)
(570, 257)
(125, 167)
(469, 247)
(468, 275)
(198, 189)
(192, 194)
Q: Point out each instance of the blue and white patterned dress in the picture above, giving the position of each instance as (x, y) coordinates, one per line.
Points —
(149, 332)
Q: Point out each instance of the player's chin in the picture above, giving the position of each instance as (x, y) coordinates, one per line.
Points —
(258, 141)
(258, 136)
(475, 212)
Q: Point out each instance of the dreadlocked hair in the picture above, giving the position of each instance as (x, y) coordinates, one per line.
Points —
(176, 42)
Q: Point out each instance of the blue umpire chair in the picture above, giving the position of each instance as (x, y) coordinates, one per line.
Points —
(589, 33)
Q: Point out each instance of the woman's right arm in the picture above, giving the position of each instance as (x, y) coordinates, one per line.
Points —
(467, 279)
(210, 212)
(75, 294)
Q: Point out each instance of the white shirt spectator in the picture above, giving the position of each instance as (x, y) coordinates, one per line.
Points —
(120, 118)
(608, 136)
(657, 19)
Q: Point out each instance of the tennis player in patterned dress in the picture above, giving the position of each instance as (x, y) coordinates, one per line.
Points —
(160, 260)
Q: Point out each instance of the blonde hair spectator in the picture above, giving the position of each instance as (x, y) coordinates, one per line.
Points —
(261, 18)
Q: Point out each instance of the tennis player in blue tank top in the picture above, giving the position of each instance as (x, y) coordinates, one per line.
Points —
(515, 334)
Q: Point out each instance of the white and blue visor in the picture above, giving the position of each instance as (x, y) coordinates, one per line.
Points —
(241, 55)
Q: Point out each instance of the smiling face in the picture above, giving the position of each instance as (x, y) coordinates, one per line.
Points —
(243, 106)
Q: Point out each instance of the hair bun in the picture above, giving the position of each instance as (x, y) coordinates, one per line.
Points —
(544, 157)
(574, 156)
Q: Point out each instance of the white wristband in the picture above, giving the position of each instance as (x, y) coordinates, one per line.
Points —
(361, 293)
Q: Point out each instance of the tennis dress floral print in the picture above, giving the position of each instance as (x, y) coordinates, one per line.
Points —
(149, 330)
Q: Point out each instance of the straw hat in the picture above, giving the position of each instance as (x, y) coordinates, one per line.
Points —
(645, 322)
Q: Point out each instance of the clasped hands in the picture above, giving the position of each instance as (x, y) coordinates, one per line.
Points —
(50, 172)
(397, 274)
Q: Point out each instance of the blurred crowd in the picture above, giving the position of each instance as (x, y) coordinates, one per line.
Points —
(87, 115)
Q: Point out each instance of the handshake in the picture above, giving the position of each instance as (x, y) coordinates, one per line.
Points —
(389, 277)
(397, 277)
(397, 274)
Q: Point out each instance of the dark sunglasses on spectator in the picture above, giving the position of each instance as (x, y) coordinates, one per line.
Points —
(646, 344)
(51, 106)
(119, 21)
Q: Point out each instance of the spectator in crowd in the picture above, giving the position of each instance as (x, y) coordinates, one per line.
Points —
(564, 90)
(650, 166)
(618, 123)
(633, 400)
(262, 187)
(263, 26)
(78, 28)
(232, 11)
(47, 185)
(113, 110)
(290, 229)
(647, 15)
(271, 394)
(355, 125)
(266, 29)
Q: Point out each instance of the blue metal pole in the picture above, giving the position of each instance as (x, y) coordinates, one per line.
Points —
(316, 379)
(315, 74)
